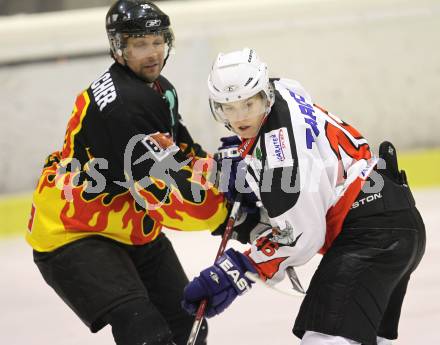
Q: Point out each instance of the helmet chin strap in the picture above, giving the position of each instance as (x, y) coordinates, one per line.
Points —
(263, 120)
(166, 57)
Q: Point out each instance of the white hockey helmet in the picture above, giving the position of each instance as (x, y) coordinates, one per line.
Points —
(237, 76)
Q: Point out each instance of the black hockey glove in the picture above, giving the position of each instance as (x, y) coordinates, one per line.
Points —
(388, 153)
(247, 227)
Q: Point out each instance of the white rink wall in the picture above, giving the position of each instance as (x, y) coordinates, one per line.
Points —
(374, 63)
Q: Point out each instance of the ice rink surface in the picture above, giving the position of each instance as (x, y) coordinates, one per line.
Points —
(31, 313)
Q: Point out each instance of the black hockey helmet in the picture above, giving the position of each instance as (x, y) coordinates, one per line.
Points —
(134, 18)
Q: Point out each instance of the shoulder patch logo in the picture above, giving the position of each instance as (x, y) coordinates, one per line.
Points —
(160, 145)
(278, 148)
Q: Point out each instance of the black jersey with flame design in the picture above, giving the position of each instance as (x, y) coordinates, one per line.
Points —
(127, 168)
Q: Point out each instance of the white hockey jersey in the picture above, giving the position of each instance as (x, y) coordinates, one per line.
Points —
(307, 167)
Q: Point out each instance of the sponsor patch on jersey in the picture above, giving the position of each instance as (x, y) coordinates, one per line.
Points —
(278, 148)
(160, 145)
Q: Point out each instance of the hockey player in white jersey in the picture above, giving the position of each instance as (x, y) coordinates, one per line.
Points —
(324, 192)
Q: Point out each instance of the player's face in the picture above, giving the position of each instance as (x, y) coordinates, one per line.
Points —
(145, 56)
(245, 117)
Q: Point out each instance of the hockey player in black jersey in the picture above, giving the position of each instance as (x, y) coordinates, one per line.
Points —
(128, 167)
(322, 190)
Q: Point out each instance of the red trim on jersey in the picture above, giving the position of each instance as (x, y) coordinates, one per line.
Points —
(267, 269)
(353, 131)
(337, 138)
(336, 215)
(245, 147)
(247, 144)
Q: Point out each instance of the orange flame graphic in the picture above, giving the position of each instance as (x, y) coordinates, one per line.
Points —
(121, 218)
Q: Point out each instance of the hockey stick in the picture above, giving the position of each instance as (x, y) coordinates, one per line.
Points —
(226, 236)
